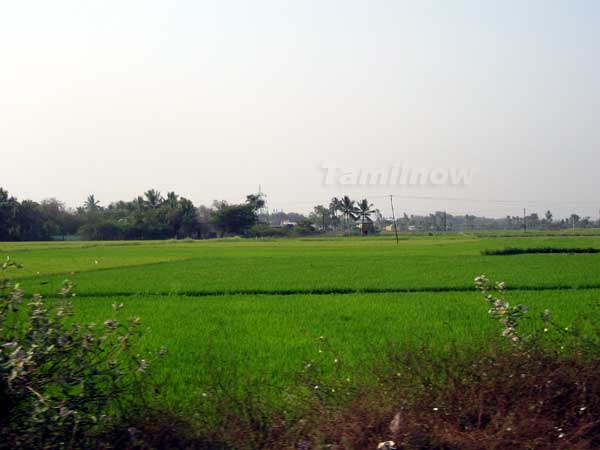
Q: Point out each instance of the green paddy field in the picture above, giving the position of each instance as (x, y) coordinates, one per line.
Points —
(253, 311)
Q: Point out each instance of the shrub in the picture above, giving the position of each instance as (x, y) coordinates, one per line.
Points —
(535, 387)
(61, 382)
(263, 230)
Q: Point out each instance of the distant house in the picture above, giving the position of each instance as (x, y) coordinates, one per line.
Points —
(367, 226)
(286, 224)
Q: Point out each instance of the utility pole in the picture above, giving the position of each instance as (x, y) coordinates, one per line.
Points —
(445, 221)
(323, 220)
(394, 218)
(524, 219)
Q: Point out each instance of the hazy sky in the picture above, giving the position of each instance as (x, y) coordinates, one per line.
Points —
(213, 98)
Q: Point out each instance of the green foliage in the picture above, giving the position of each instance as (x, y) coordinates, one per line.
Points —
(234, 219)
(186, 293)
(301, 265)
(509, 316)
(263, 230)
(61, 381)
(103, 231)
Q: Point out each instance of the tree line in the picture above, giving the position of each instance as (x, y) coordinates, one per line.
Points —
(154, 216)
(148, 216)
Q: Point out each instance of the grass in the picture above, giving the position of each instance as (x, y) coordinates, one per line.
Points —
(253, 310)
(374, 265)
(265, 340)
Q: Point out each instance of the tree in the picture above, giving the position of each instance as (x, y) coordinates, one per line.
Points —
(334, 207)
(348, 209)
(29, 222)
(234, 219)
(91, 204)
(548, 216)
(574, 220)
(256, 201)
(8, 213)
(187, 225)
(533, 221)
(103, 231)
(172, 200)
(153, 198)
(363, 212)
(470, 221)
(321, 216)
(53, 214)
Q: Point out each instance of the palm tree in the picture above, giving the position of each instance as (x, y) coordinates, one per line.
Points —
(153, 198)
(138, 203)
(91, 204)
(172, 200)
(334, 207)
(348, 209)
(364, 211)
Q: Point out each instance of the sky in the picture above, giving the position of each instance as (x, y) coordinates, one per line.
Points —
(213, 98)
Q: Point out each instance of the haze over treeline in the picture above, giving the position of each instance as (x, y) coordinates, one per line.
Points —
(213, 98)
(156, 216)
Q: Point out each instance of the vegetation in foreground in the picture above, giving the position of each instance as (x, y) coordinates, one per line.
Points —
(62, 382)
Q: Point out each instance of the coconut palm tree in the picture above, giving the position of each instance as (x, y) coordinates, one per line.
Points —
(153, 198)
(363, 212)
(334, 207)
(348, 209)
(91, 204)
(138, 203)
(172, 200)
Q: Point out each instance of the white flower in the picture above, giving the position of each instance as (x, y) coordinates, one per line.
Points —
(143, 365)
(110, 324)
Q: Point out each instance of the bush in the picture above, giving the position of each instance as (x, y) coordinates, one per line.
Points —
(61, 382)
(263, 230)
(534, 387)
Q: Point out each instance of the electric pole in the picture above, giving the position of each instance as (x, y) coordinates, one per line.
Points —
(394, 218)
(524, 219)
